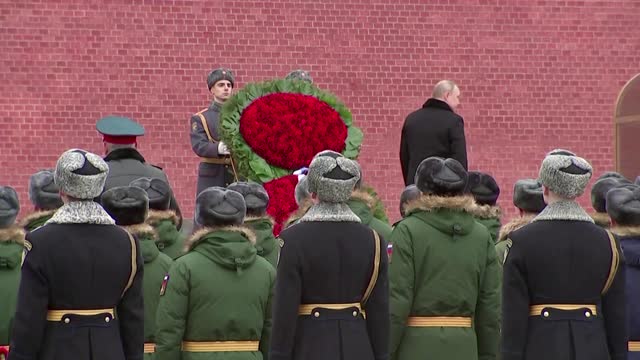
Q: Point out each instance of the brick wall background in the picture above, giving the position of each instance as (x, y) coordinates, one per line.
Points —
(534, 75)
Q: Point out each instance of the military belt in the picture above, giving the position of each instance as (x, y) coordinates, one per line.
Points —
(634, 346)
(220, 161)
(149, 348)
(59, 315)
(541, 309)
(219, 346)
(308, 309)
(439, 321)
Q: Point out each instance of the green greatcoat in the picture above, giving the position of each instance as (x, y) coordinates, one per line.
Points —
(489, 216)
(363, 204)
(504, 243)
(170, 240)
(219, 291)
(266, 243)
(36, 219)
(11, 248)
(156, 266)
(444, 264)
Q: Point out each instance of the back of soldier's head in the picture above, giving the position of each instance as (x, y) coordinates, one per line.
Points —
(409, 194)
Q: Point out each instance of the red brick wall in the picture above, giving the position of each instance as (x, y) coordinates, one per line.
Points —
(534, 75)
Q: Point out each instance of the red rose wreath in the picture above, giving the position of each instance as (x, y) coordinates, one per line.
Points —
(274, 128)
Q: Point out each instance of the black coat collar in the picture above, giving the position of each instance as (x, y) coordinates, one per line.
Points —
(120, 154)
(435, 103)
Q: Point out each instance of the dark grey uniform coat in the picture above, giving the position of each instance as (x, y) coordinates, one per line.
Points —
(329, 263)
(562, 261)
(75, 266)
(434, 130)
(126, 165)
(205, 145)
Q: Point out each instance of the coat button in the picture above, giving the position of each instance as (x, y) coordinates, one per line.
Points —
(457, 228)
(107, 319)
(355, 314)
(67, 320)
(587, 314)
(316, 314)
(545, 314)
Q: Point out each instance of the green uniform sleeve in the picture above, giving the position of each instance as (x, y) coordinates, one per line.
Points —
(487, 314)
(265, 338)
(172, 313)
(401, 284)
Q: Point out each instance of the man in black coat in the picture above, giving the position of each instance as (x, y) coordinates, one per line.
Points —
(332, 295)
(564, 277)
(126, 163)
(434, 130)
(216, 168)
(80, 294)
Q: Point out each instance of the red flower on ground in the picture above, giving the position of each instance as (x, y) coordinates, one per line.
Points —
(288, 129)
(282, 202)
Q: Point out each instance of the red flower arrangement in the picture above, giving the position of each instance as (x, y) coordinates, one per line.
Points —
(281, 199)
(288, 129)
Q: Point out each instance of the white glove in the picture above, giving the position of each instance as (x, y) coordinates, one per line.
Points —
(223, 149)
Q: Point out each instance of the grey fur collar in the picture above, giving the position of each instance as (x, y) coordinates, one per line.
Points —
(325, 211)
(81, 212)
(564, 210)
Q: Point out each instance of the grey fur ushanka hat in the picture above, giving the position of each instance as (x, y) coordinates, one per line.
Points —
(158, 191)
(220, 74)
(255, 196)
(527, 195)
(81, 174)
(43, 191)
(9, 206)
(127, 205)
(332, 176)
(623, 205)
(217, 206)
(565, 174)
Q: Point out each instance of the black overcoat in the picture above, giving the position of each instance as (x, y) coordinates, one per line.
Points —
(79, 267)
(434, 130)
(329, 263)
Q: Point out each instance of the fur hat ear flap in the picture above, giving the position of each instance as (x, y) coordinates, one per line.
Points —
(9, 206)
(623, 205)
(528, 196)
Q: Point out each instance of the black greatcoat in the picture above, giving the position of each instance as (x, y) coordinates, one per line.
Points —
(127, 165)
(79, 266)
(434, 130)
(329, 263)
(209, 174)
(562, 262)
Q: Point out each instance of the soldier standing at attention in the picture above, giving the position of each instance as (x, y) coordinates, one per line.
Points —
(80, 293)
(45, 197)
(216, 301)
(125, 162)
(11, 245)
(165, 221)
(623, 205)
(331, 299)
(128, 206)
(528, 198)
(444, 277)
(257, 200)
(216, 167)
(564, 277)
